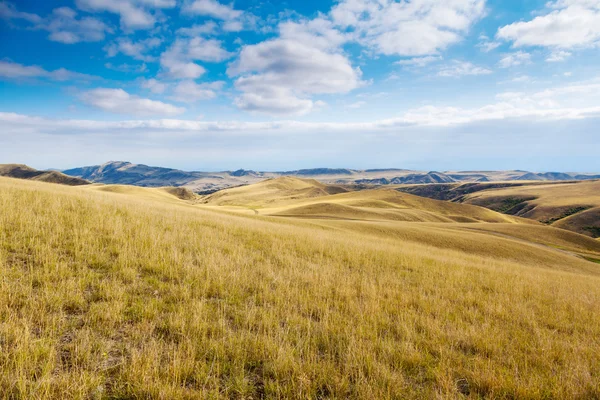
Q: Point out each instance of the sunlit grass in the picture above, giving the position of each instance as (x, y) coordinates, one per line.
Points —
(105, 295)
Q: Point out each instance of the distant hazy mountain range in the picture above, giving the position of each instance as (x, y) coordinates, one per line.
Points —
(118, 172)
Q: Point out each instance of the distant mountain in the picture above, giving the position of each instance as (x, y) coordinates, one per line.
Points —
(20, 171)
(319, 171)
(120, 172)
(126, 173)
(555, 176)
(243, 172)
(411, 179)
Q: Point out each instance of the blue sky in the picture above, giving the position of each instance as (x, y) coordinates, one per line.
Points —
(203, 84)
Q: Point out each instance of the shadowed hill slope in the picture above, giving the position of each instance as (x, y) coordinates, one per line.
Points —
(574, 206)
(20, 171)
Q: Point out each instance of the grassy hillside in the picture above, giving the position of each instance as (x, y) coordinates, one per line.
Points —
(272, 191)
(307, 198)
(121, 293)
(20, 171)
(572, 206)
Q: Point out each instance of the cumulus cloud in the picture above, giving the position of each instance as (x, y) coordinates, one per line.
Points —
(233, 20)
(462, 68)
(65, 27)
(8, 11)
(15, 71)
(134, 14)
(178, 59)
(408, 28)
(566, 24)
(153, 85)
(137, 50)
(211, 8)
(63, 24)
(190, 91)
(121, 102)
(278, 76)
(206, 28)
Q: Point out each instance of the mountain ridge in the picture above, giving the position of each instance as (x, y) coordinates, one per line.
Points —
(123, 172)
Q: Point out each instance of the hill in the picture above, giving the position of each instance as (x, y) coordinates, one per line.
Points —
(125, 173)
(272, 191)
(574, 206)
(20, 171)
(291, 196)
(120, 292)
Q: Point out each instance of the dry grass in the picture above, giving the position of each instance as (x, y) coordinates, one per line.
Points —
(305, 198)
(573, 206)
(130, 296)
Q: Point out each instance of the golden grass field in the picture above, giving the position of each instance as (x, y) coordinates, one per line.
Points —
(572, 206)
(114, 292)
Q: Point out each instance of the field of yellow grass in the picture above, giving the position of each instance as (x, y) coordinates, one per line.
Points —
(112, 292)
(572, 206)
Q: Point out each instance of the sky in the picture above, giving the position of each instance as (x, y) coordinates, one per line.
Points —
(279, 85)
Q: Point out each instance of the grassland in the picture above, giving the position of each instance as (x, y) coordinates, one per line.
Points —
(114, 292)
(572, 206)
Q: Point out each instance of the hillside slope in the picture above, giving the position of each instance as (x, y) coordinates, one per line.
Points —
(294, 197)
(127, 294)
(574, 206)
(20, 171)
(272, 191)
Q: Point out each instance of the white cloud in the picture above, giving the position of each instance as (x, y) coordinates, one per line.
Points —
(178, 60)
(64, 27)
(136, 50)
(63, 24)
(572, 102)
(121, 102)
(9, 11)
(319, 33)
(566, 24)
(211, 8)
(127, 68)
(558, 56)
(190, 91)
(135, 14)
(408, 28)
(278, 76)
(11, 70)
(486, 45)
(233, 20)
(462, 68)
(206, 28)
(515, 59)
(419, 61)
(153, 85)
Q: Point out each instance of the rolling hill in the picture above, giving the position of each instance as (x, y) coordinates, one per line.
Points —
(112, 291)
(307, 198)
(573, 206)
(20, 171)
